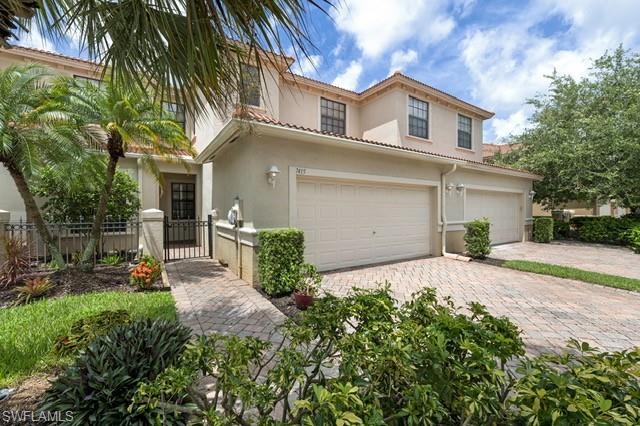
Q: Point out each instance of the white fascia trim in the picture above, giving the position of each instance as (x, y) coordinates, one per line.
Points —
(494, 188)
(218, 142)
(500, 171)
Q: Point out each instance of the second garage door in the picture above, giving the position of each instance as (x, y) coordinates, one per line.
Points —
(501, 208)
(350, 224)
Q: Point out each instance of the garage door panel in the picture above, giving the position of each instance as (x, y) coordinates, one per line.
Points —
(349, 224)
(501, 208)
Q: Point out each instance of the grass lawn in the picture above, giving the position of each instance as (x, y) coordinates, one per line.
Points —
(574, 274)
(27, 333)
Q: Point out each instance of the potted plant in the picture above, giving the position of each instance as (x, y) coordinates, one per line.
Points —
(307, 287)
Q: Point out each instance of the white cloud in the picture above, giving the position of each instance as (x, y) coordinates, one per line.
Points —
(381, 25)
(350, 77)
(400, 59)
(34, 39)
(308, 66)
(514, 124)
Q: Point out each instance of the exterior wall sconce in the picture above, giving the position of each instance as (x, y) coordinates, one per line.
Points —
(272, 174)
(449, 187)
(460, 188)
(532, 194)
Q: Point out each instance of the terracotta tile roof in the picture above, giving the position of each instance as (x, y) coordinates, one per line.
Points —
(53, 54)
(134, 149)
(491, 149)
(252, 115)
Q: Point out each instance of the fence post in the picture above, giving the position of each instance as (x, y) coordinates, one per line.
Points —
(153, 232)
(5, 217)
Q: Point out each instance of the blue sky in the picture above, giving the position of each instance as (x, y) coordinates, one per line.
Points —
(492, 53)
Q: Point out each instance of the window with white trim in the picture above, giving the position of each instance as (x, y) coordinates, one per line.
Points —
(418, 118)
(333, 116)
(250, 82)
(464, 132)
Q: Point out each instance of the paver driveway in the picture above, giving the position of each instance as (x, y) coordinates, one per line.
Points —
(549, 310)
(591, 257)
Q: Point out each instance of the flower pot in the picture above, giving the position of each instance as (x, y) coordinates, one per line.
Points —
(303, 301)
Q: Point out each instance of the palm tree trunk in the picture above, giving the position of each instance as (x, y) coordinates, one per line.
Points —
(33, 212)
(101, 214)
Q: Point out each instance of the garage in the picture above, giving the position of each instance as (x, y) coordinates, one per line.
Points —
(503, 209)
(349, 223)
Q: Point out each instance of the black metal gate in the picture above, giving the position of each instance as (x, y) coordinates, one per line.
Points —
(188, 238)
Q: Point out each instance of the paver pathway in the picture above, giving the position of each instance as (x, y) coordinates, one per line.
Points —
(211, 299)
(549, 310)
(607, 259)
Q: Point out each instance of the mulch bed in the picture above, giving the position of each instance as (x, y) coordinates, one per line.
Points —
(28, 394)
(75, 281)
(284, 304)
(490, 261)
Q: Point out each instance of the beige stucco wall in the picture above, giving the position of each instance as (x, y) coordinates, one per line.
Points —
(239, 170)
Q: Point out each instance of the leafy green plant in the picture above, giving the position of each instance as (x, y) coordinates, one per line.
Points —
(112, 259)
(561, 230)
(99, 386)
(16, 263)
(542, 229)
(477, 238)
(309, 280)
(603, 229)
(632, 237)
(579, 387)
(33, 288)
(362, 359)
(279, 258)
(87, 329)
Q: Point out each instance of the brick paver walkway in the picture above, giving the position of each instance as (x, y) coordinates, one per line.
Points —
(591, 257)
(549, 310)
(211, 299)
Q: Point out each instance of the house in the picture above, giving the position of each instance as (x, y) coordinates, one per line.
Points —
(371, 176)
(572, 208)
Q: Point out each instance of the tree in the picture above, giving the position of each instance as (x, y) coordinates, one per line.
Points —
(34, 134)
(192, 47)
(129, 118)
(77, 201)
(585, 138)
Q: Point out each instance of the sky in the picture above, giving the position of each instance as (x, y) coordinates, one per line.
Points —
(492, 53)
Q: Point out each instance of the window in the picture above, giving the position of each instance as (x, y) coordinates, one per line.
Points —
(464, 132)
(183, 201)
(176, 111)
(88, 80)
(333, 116)
(418, 118)
(250, 81)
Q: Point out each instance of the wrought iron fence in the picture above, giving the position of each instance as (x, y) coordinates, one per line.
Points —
(117, 237)
(188, 238)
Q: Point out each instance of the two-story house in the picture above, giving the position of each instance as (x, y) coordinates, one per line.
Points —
(369, 176)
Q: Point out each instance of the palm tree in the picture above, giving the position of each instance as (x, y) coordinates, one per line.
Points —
(190, 48)
(130, 119)
(33, 135)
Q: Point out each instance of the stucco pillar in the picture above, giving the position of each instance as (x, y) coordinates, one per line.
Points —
(153, 233)
(5, 217)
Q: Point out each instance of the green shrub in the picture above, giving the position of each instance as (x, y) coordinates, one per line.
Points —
(87, 329)
(632, 237)
(476, 238)
(422, 363)
(603, 229)
(542, 229)
(280, 256)
(561, 230)
(99, 386)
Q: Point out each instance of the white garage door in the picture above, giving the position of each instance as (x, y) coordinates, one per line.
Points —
(350, 224)
(501, 208)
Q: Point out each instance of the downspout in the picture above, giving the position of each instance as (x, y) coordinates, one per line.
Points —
(443, 208)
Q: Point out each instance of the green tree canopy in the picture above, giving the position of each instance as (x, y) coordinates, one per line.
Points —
(585, 138)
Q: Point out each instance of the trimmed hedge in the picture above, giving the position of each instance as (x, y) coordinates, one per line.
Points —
(476, 238)
(632, 237)
(279, 258)
(603, 229)
(543, 229)
(561, 230)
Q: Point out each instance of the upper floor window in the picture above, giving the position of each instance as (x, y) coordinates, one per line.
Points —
(176, 111)
(418, 118)
(250, 81)
(88, 80)
(333, 116)
(464, 132)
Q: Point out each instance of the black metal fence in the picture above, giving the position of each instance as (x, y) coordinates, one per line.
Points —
(188, 238)
(120, 238)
